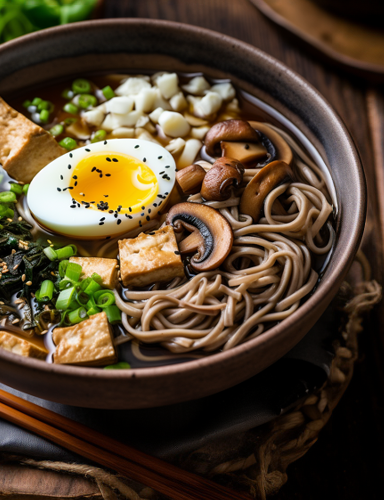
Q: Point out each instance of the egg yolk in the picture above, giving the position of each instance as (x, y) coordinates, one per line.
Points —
(113, 181)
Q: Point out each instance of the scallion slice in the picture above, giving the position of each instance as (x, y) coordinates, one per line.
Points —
(108, 92)
(113, 314)
(92, 287)
(44, 116)
(56, 130)
(87, 100)
(63, 268)
(7, 197)
(46, 290)
(104, 298)
(66, 252)
(71, 108)
(64, 299)
(73, 271)
(50, 253)
(68, 143)
(81, 86)
(77, 315)
(99, 135)
(16, 188)
(25, 189)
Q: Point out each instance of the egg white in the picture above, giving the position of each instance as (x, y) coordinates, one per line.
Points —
(51, 207)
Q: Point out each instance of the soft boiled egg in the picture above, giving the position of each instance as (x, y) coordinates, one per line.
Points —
(103, 189)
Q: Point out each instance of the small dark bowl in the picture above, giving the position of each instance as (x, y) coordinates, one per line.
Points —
(134, 45)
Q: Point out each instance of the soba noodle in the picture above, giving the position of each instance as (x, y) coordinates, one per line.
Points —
(262, 281)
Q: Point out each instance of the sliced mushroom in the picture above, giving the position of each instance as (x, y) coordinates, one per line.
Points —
(245, 152)
(269, 177)
(229, 130)
(213, 239)
(224, 174)
(190, 179)
(276, 146)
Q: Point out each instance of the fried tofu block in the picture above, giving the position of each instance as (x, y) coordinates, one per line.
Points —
(88, 343)
(106, 268)
(25, 148)
(23, 347)
(150, 258)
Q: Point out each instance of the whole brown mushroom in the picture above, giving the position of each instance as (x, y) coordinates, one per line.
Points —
(218, 181)
(229, 130)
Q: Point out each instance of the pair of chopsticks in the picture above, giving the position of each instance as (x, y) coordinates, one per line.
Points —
(161, 476)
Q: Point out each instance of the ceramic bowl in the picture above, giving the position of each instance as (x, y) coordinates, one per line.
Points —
(127, 45)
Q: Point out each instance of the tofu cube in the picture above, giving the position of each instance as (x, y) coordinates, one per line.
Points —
(106, 268)
(150, 258)
(25, 148)
(88, 343)
(13, 343)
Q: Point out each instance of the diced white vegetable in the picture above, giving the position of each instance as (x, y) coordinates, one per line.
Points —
(199, 132)
(208, 105)
(195, 121)
(120, 105)
(190, 151)
(132, 86)
(160, 102)
(155, 115)
(113, 120)
(141, 133)
(174, 124)
(123, 132)
(175, 146)
(95, 116)
(168, 84)
(178, 102)
(233, 107)
(142, 121)
(196, 86)
(157, 75)
(225, 90)
(145, 100)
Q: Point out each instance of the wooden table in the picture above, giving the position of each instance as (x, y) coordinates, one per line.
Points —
(344, 463)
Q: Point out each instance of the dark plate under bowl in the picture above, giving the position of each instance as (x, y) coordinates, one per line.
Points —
(130, 46)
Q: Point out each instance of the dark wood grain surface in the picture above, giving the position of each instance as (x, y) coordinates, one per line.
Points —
(347, 462)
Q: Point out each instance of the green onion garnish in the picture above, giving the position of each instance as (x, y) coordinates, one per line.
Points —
(113, 314)
(81, 86)
(93, 310)
(44, 116)
(67, 94)
(50, 253)
(68, 143)
(16, 188)
(66, 252)
(25, 189)
(87, 100)
(10, 213)
(104, 298)
(92, 287)
(63, 267)
(27, 103)
(56, 130)
(99, 135)
(3, 210)
(73, 271)
(81, 298)
(77, 315)
(71, 108)
(46, 290)
(64, 299)
(7, 197)
(48, 106)
(36, 101)
(108, 92)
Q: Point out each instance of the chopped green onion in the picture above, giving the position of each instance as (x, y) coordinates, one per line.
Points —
(108, 92)
(99, 135)
(113, 314)
(97, 278)
(73, 271)
(104, 298)
(7, 197)
(122, 365)
(27, 103)
(10, 213)
(50, 253)
(71, 108)
(25, 189)
(36, 101)
(3, 210)
(46, 290)
(84, 283)
(64, 299)
(68, 143)
(93, 310)
(67, 94)
(81, 298)
(44, 105)
(16, 188)
(44, 116)
(92, 287)
(56, 130)
(66, 252)
(77, 315)
(87, 100)
(65, 283)
(63, 267)
(81, 86)
(69, 121)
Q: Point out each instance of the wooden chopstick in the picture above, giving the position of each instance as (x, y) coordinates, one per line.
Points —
(161, 476)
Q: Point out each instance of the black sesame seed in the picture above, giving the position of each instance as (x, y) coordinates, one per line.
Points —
(61, 177)
(118, 221)
(160, 203)
(87, 150)
(75, 184)
(105, 142)
(143, 207)
(64, 189)
(159, 157)
(142, 215)
(58, 189)
(78, 205)
(163, 172)
(108, 159)
(148, 218)
(115, 159)
(137, 146)
(115, 215)
(110, 211)
(177, 252)
(130, 209)
(74, 177)
(98, 171)
(166, 192)
(167, 166)
(70, 155)
(246, 146)
(69, 167)
(144, 160)
(155, 204)
(101, 223)
(129, 216)
(107, 175)
(149, 210)
(70, 187)
(72, 206)
(101, 175)
(94, 168)
(103, 218)
(140, 223)
(105, 195)
(108, 238)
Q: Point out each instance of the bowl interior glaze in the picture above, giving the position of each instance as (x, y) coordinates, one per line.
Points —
(131, 46)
